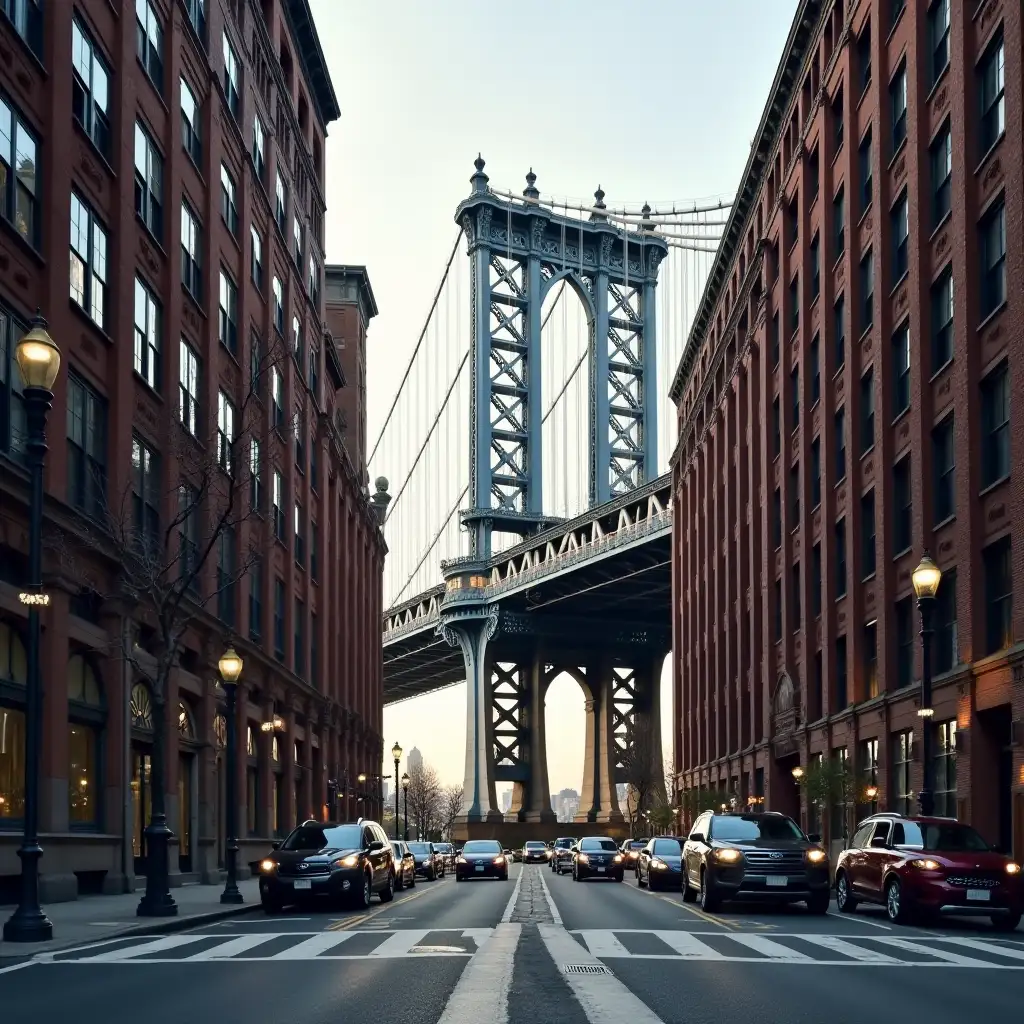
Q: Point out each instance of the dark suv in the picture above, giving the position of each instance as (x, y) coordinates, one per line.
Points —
(349, 861)
(753, 857)
(561, 854)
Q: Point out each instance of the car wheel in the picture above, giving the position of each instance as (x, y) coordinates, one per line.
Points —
(708, 897)
(1005, 922)
(621, 876)
(689, 893)
(640, 883)
(575, 875)
(412, 882)
(361, 897)
(271, 906)
(895, 906)
(844, 899)
(399, 882)
(818, 903)
(387, 894)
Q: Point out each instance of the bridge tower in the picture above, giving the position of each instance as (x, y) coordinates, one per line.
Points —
(518, 251)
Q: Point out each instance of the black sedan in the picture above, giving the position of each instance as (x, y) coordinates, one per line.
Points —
(429, 863)
(347, 862)
(597, 857)
(536, 853)
(482, 858)
(405, 864)
(660, 865)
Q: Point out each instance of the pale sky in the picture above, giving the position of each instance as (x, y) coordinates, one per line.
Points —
(652, 99)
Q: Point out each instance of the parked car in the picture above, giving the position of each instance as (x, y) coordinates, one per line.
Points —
(597, 857)
(429, 863)
(660, 864)
(754, 857)
(405, 864)
(535, 853)
(561, 854)
(482, 858)
(447, 851)
(342, 862)
(630, 850)
(930, 866)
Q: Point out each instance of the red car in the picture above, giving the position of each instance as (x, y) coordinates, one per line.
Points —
(928, 866)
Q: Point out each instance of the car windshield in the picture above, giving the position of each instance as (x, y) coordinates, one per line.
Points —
(596, 845)
(420, 847)
(563, 843)
(313, 837)
(535, 846)
(445, 847)
(637, 846)
(667, 848)
(482, 846)
(743, 828)
(951, 838)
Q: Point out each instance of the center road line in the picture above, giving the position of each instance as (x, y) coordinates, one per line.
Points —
(347, 922)
(695, 911)
(18, 967)
(511, 905)
(555, 916)
(860, 919)
(481, 993)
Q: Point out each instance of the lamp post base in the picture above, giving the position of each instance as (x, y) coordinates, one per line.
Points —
(28, 924)
(157, 901)
(232, 897)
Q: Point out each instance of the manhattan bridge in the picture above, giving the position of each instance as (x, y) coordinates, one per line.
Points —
(527, 448)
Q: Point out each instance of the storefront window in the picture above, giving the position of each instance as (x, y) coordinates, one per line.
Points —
(85, 721)
(13, 672)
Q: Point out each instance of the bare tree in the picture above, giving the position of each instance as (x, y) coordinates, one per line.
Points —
(643, 774)
(451, 808)
(425, 800)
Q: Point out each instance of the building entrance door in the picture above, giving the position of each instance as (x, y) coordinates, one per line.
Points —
(185, 807)
(141, 804)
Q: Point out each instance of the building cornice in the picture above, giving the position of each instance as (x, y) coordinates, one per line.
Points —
(311, 55)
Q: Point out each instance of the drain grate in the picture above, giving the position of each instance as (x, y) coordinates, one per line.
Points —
(586, 969)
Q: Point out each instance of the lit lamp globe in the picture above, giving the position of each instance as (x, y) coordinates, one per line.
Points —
(926, 579)
(798, 773)
(230, 666)
(38, 357)
(396, 752)
(405, 780)
(362, 776)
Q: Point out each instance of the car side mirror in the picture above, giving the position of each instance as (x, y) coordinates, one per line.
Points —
(375, 846)
(878, 843)
(697, 837)
(276, 844)
(814, 838)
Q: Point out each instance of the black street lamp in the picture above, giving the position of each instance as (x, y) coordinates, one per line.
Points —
(38, 361)
(332, 799)
(926, 578)
(405, 796)
(396, 753)
(230, 667)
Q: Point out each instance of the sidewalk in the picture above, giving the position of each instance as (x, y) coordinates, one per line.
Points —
(94, 918)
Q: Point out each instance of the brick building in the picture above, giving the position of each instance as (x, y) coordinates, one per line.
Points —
(179, 145)
(845, 404)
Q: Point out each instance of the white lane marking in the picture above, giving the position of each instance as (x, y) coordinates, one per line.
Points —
(840, 945)
(858, 919)
(18, 967)
(941, 954)
(765, 946)
(603, 998)
(555, 916)
(482, 990)
(602, 943)
(1011, 952)
(399, 943)
(156, 946)
(688, 946)
(239, 944)
(312, 946)
(511, 905)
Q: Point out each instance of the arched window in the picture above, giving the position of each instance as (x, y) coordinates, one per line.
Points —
(220, 731)
(186, 723)
(86, 718)
(13, 680)
(142, 707)
(275, 750)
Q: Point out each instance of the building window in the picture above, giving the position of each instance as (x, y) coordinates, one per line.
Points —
(865, 171)
(196, 11)
(255, 475)
(314, 282)
(777, 517)
(839, 222)
(794, 303)
(256, 258)
(863, 57)
(840, 433)
(815, 354)
(13, 427)
(773, 338)
(300, 442)
(942, 320)
(297, 339)
(867, 535)
(255, 364)
(149, 35)
(794, 496)
(838, 121)
(225, 432)
(314, 551)
(868, 772)
(945, 768)
(794, 390)
(839, 317)
(867, 411)
(842, 698)
(281, 204)
(191, 137)
(228, 200)
(26, 17)
(300, 541)
(149, 183)
(259, 147)
(297, 242)
(902, 766)
(87, 448)
(815, 267)
(943, 468)
(279, 619)
(314, 653)
(900, 239)
(816, 472)
(227, 318)
(188, 536)
(840, 531)
(998, 569)
(816, 579)
(188, 387)
(940, 157)
(86, 717)
(904, 642)
(993, 259)
(992, 91)
(901, 370)
(277, 501)
(778, 610)
(19, 173)
(146, 495)
(898, 106)
(191, 253)
(278, 291)
(896, 8)
(902, 526)
(231, 76)
(938, 37)
(776, 428)
(276, 398)
(88, 262)
(871, 661)
(946, 650)
(148, 335)
(995, 427)
(255, 575)
(795, 584)
(314, 370)
(867, 291)
(227, 572)
(300, 637)
(813, 174)
(90, 89)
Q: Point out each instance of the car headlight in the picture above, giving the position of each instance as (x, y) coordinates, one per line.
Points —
(728, 855)
(499, 860)
(347, 862)
(658, 864)
(268, 865)
(633, 855)
(1012, 869)
(926, 864)
(618, 858)
(461, 860)
(583, 857)
(816, 856)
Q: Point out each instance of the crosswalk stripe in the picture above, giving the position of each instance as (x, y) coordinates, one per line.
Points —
(689, 946)
(1010, 952)
(941, 954)
(861, 953)
(239, 944)
(769, 947)
(313, 946)
(603, 944)
(156, 946)
(400, 943)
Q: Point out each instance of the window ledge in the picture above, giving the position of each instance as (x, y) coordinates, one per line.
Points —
(896, 153)
(995, 485)
(866, 210)
(150, 236)
(951, 518)
(838, 152)
(900, 415)
(896, 287)
(938, 81)
(870, 576)
(867, 451)
(903, 551)
(946, 217)
(988, 318)
(149, 387)
(95, 328)
(94, 149)
(988, 152)
(941, 370)
(26, 246)
(895, 25)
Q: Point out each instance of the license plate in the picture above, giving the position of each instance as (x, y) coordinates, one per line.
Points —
(600, 871)
(982, 895)
(777, 881)
(480, 867)
(304, 883)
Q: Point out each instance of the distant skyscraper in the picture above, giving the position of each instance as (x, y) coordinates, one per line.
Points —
(506, 801)
(386, 793)
(415, 760)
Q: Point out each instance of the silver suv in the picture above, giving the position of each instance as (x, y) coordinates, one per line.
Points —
(561, 854)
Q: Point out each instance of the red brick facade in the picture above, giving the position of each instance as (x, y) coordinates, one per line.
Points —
(111, 151)
(796, 635)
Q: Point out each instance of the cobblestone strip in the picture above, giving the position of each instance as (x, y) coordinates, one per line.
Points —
(532, 907)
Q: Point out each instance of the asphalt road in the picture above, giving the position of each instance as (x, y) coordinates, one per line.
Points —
(536, 949)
